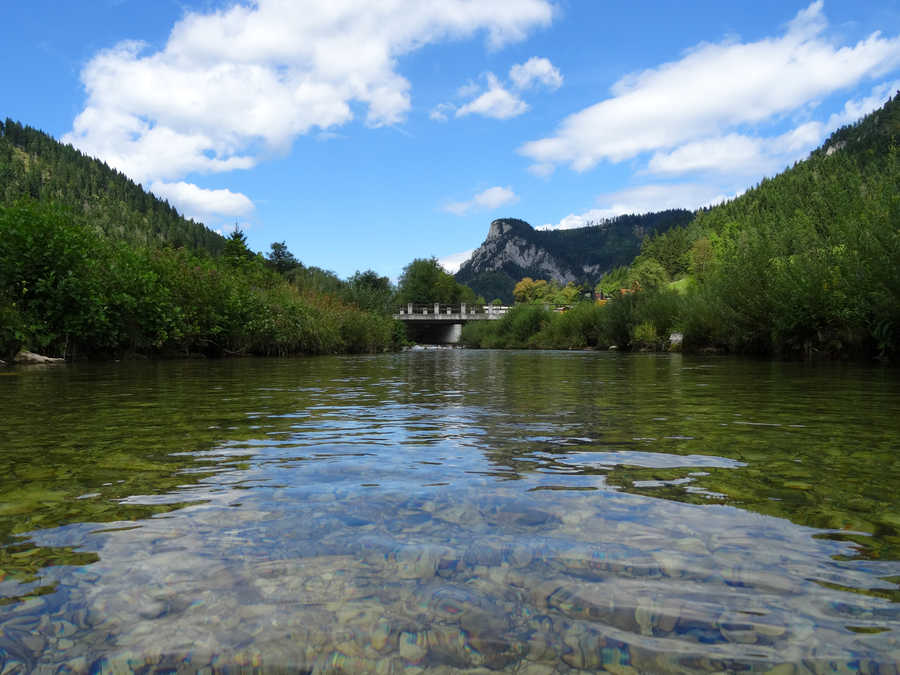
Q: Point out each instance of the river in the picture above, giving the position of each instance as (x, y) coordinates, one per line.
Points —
(450, 511)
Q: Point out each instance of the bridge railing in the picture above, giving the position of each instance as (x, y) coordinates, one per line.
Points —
(462, 309)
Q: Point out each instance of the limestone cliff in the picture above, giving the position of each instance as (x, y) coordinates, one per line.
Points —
(513, 249)
(509, 246)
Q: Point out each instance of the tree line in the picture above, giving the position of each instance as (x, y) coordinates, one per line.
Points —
(34, 165)
(803, 265)
(68, 291)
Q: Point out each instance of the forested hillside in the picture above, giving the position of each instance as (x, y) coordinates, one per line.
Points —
(92, 266)
(805, 264)
(37, 166)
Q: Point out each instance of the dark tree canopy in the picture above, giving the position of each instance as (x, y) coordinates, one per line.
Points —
(236, 248)
(424, 281)
(370, 291)
(280, 258)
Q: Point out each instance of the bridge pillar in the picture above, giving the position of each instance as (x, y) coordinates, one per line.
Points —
(409, 308)
(462, 309)
(437, 308)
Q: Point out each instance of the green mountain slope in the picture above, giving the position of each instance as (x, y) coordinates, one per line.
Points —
(91, 266)
(806, 262)
(804, 265)
(35, 165)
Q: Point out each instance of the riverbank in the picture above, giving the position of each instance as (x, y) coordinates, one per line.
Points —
(660, 320)
(67, 291)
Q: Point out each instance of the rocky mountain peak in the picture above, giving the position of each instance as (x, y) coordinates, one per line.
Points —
(504, 226)
(513, 249)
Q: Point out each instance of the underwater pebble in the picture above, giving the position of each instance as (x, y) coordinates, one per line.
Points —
(412, 646)
(380, 634)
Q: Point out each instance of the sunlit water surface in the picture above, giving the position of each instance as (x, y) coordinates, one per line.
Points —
(527, 512)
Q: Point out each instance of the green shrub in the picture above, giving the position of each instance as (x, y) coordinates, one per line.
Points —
(12, 328)
(66, 291)
(644, 336)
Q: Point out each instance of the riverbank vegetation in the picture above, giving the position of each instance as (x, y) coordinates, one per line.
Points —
(92, 265)
(424, 281)
(67, 290)
(806, 264)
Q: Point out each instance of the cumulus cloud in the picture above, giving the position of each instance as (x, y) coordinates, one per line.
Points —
(738, 154)
(454, 261)
(535, 71)
(642, 199)
(496, 102)
(492, 198)
(711, 92)
(232, 85)
(201, 204)
(743, 155)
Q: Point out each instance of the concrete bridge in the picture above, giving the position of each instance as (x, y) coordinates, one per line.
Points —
(442, 324)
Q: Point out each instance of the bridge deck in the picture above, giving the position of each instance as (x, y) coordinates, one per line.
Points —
(438, 313)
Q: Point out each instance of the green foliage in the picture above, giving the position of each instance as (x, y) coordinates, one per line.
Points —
(33, 165)
(12, 327)
(280, 258)
(613, 281)
(316, 280)
(644, 335)
(424, 281)
(549, 293)
(628, 321)
(66, 291)
(578, 328)
(236, 251)
(670, 249)
(493, 284)
(371, 292)
(648, 275)
(805, 264)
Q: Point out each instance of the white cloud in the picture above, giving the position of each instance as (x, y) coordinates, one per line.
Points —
(742, 155)
(441, 112)
(492, 198)
(496, 102)
(712, 90)
(201, 204)
(468, 90)
(738, 154)
(496, 197)
(855, 109)
(454, 261)
(535, 70)
(733, 154)
(542, 170)
(643, 199)
(233, 85)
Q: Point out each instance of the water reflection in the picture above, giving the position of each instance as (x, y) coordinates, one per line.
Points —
(531, 512)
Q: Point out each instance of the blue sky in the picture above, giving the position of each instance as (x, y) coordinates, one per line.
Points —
(368, 134)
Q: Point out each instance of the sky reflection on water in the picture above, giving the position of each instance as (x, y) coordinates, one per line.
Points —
(460, 509)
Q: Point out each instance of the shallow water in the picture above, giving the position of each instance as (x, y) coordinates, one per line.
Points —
(528, 512)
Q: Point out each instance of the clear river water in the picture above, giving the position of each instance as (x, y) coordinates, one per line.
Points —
(450, 511)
